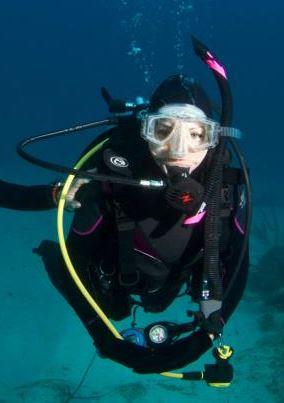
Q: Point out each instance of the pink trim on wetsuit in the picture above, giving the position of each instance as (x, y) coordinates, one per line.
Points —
(194, 219)
(214, 65)
(91, 229)
(238, 225)
(146, 254)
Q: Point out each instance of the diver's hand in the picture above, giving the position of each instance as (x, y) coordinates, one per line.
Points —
(213, 325)
(212, 321)
(71, 202)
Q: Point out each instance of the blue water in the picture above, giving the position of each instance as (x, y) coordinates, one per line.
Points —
(55, 56)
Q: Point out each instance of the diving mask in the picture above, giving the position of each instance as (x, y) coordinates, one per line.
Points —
(178, 130)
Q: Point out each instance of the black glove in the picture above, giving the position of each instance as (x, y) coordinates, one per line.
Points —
(213, 324)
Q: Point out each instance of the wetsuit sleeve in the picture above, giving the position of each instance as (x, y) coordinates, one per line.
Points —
(20, 197)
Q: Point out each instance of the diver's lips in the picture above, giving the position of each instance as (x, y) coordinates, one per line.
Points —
(184, 163)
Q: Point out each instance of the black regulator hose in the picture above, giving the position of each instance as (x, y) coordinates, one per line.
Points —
(151, 184)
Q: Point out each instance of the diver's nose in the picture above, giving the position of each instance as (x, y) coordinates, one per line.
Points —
(178, 144)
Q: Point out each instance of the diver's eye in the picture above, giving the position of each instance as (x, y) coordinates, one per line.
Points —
(163, 128)
(197, 135)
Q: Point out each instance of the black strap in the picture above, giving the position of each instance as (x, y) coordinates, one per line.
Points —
(128, 275)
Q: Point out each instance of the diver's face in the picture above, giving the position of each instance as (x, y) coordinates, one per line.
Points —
(182, 144)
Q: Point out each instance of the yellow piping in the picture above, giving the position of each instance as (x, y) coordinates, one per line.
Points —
(172, 375)
(63, 247)
(67, 259)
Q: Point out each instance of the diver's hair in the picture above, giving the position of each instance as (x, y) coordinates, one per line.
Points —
(180, 89)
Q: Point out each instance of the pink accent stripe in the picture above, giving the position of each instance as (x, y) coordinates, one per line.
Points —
(194, 219)
(214, 65)
(238, 225)
(146, 254)
(91, 229)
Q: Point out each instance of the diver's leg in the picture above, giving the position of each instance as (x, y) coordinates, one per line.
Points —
(115, 304)
(61, 279)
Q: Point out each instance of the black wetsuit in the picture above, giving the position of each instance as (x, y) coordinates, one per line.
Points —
(160, 226)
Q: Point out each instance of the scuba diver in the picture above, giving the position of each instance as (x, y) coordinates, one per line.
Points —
(141, 242)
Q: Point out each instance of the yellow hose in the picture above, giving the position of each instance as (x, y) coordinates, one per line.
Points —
(65, 254)
(63, 247)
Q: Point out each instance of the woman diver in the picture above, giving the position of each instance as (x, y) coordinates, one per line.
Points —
(135, 246)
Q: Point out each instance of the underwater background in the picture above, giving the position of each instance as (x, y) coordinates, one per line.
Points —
(55, 56)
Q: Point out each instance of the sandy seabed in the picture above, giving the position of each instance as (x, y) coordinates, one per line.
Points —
(45, 350)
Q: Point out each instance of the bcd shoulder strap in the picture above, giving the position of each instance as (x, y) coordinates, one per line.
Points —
(128, 274)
